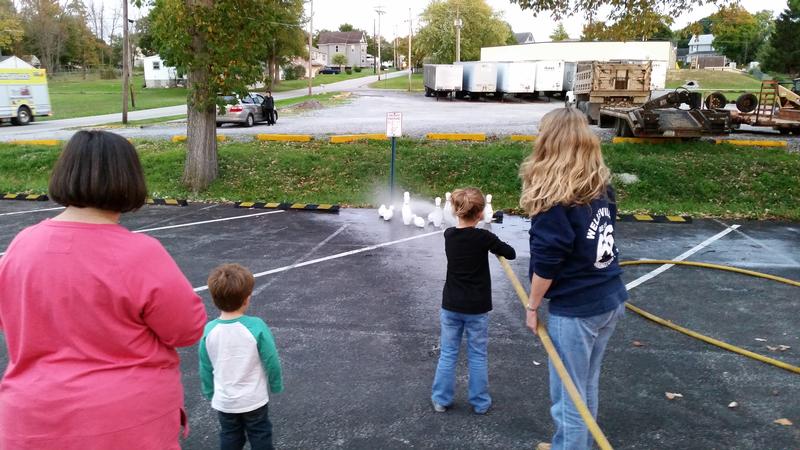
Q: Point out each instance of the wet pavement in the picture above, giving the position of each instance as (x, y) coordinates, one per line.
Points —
(357, 330)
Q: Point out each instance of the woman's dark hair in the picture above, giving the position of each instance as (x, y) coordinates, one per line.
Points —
(100, 170)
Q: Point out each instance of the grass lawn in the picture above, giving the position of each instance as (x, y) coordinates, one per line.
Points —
(699, 179)
(320, 79)
(73, 96)
(715, 80)
(417, 83)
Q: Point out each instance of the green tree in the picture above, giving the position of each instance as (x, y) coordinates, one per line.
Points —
(641, 23)
(45, 33)
(220, 44)
(482, 27)
(11, 30)
(346, 27)
(143, 36)
(617, 9)
(559, 34)
(739, 34)
(339, 60)
(784, 52)
(287, 38)
(386, 48)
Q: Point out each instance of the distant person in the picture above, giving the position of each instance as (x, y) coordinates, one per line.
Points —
(268, 107)
(238, 362)
(466, 302)
(92, 314)
(566, 190)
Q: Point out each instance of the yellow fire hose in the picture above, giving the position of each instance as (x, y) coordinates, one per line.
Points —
(558, 364)
(710, 340)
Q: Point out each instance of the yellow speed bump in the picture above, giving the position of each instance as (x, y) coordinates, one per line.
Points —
(747, 143)
(183, 138)
(635, 140)
(523, 137)
(346, 138)
(456, 136)
(284, 137)
(48, 142)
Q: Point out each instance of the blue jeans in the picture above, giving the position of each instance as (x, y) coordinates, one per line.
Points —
(581, 343)
(453, 326)
(255, 424)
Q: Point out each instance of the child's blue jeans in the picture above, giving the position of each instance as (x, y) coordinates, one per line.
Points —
(255, 424)
(477, 329)
(581, 343)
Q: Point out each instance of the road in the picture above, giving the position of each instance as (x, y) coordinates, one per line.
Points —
(64, 128)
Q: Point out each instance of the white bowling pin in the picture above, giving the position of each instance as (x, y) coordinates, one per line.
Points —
(408, 216)
(387, 216)
(436, 216)
(448, 214)
(382, 210)
(488, 212)
(419, 221)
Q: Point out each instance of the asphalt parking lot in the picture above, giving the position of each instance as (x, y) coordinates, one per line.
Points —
(353, 304)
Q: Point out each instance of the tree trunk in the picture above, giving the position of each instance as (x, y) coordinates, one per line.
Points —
(201, 130)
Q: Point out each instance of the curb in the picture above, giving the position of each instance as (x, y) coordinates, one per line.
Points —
(523, 137)
(746, 143)
(166, 202)
(480, 137)
(284, 137)
(285, 206)
(182, 138)
(48, 142)
(635, 140)
(654, 219)
(27, 197)
(347, 138)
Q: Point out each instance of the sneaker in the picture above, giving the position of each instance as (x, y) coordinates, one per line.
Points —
(481, 412)
(438, 408)
(544, 446)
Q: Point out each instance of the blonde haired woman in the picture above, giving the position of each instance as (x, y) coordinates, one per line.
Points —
(574, 263)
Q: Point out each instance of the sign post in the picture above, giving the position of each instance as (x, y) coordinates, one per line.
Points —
(394, 130)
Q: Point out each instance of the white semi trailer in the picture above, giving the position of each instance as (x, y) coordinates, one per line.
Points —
(554, 77)
(480, 78)
(516, 78)
(443, 79)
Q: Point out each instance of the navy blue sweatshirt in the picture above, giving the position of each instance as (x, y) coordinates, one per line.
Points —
(574, 247)
(468, 288)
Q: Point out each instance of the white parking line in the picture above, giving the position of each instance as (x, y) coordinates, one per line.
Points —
(336, 256)
(681, 257)
(168, 227)
(31, 211)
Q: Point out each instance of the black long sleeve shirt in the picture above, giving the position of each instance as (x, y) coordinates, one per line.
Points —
(468, 288)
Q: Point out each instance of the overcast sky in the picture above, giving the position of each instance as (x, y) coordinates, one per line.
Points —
(360, 13)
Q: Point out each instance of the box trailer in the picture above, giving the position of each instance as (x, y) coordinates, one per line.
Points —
(516, 78)
(554, 76)
(480, 78)
(442, 79)
(23, 95)
(622, 84)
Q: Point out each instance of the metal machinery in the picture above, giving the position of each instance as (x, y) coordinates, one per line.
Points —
(774, 106)
(665, 117)
(615, 83)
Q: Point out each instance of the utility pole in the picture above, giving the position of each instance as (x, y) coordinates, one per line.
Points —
(125, 62)
(380, 11)
(374, 39)
(310, 33)
(410, 69)
(394, 48)
(458, 25)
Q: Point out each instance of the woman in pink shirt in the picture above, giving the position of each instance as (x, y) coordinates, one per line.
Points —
(92, 314)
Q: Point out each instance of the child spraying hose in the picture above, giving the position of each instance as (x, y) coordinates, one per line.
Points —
(566, 191)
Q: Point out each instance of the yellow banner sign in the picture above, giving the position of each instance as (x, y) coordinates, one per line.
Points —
(23, 76)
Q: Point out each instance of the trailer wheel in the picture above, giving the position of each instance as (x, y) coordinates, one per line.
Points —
(716, 100)
(747, 103)
(427, 91)
(23, 116)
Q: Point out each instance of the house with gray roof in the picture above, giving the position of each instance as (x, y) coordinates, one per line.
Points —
(352, 44)
(525, 38)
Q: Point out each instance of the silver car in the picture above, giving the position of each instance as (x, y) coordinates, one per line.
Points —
(246, 111)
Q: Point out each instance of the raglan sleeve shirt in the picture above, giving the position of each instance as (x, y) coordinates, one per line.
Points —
(269, 357)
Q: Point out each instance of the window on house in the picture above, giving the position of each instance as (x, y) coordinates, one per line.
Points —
(352, 48)
(156, 65)
(337, 48)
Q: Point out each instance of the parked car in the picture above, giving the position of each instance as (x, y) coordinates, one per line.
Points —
(331, 71)
(246, 111)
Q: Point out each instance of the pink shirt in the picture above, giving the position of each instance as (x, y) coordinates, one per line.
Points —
(91, 316)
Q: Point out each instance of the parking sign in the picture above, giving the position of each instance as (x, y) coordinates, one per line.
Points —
(394, 124)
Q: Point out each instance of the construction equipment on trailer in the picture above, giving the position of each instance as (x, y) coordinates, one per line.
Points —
(618, 84)
(775, 107)
(664, 116)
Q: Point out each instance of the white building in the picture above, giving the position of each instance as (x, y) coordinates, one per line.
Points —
(12, 62)
(352, 44)
(159, 75)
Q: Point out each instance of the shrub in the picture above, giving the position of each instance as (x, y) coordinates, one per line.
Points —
(294, 72)
(357, 69)
(108, 74)
(348, 71)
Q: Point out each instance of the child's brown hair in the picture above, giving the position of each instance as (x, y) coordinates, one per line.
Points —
(468, 203)
(230, 285)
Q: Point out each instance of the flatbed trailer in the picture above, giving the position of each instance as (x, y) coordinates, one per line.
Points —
(664, 117)
(775, 107)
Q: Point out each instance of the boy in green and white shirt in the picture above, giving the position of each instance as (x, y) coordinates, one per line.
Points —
(238, 360)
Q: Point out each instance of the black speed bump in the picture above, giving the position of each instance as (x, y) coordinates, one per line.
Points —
(167, 202)
(27, 197)
(286, 206)
(654, 219)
